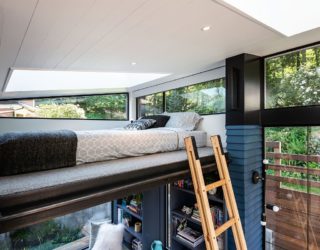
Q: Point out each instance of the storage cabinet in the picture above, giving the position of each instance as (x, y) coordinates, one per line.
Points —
(150, 213)
(181, 210)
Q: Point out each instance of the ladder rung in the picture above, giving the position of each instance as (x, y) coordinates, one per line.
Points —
(215, 185)
(225, 226)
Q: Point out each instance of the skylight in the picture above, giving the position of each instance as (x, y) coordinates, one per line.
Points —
(45, 80)
(289, 17)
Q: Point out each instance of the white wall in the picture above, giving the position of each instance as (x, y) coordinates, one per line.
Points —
(212, 124)
(7, 125)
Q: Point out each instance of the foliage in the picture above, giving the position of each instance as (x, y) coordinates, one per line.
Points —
(151, 104)
(60, 111)
(293, 79)
(203, 98)
(47, 235)
(112, 106)
(293, 139)
(105, 106)
(297, 140)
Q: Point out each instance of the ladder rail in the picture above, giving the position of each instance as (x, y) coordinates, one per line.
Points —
(210, 233)
(196, 172)
(228, 192)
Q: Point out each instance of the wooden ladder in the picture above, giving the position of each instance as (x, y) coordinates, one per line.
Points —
(209, 232)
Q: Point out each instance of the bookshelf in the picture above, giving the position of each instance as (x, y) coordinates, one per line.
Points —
(150, 213)
(181, 194)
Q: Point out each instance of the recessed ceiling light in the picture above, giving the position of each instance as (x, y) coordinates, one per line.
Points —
(44, 80)
(286, 16)
(133, 63)
(205, 28)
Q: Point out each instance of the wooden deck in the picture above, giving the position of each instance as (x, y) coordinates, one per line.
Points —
(297, 225)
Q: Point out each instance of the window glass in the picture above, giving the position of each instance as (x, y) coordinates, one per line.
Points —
(104, 107)
(150, 104)
(204, 98)
(71, 231)
(293, 79)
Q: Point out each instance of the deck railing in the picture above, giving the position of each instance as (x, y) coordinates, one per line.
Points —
(280, 164)
(293, 184)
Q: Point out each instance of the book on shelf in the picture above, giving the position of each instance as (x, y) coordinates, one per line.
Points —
(136, 244)
(216, 213)
(190, 236)
(120, 215)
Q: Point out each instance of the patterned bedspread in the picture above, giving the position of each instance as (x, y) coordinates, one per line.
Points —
(101, 145)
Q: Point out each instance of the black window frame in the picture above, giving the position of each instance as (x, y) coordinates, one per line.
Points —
(67, 96)
(287, 116)
(164, 97)
(137, 102)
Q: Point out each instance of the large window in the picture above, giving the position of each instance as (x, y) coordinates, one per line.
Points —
(102, 107)
(205, 98)
(151, 104)
(71, 231)
(293, 79)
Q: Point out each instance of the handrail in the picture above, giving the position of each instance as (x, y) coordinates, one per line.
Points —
(297, 157)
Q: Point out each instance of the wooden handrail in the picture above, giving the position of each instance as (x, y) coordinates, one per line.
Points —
(273, 144)
(297, 169)
(297, 157)
(295, 181)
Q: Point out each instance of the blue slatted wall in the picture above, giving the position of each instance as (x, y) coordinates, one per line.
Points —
(244, 145)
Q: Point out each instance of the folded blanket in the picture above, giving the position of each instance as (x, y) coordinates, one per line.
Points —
(22, 152)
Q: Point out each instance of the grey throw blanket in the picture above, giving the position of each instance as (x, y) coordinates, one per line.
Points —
(22, 152)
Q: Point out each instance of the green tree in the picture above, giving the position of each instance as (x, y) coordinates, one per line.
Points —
(60, 111)
(105, 106)
(203, 98)
(293, 79)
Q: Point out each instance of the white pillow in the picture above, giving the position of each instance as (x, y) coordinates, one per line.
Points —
(185, 120)
(109, 237)
(94, 229)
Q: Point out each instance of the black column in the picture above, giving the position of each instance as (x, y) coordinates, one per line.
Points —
(244, 143)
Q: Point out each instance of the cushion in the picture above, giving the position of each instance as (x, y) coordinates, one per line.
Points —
(185, 120)
(140, 124)
(109, 237)
(161, 120)
(94, 229)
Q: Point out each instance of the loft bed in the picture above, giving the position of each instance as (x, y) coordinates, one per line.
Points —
(49, 174)
(34, 197)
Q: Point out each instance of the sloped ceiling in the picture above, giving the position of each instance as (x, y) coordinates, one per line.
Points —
(162, 36)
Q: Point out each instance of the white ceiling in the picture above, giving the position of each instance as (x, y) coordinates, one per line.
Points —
(161, 36)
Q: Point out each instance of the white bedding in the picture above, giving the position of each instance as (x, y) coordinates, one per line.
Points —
(101, 145)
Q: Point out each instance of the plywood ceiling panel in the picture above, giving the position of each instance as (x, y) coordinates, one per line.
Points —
(107, 35)
(15, 16)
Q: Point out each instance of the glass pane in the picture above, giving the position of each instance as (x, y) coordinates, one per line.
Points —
(71, 231)
(293, 185)
(204, 98)
(293, 79)
(314, 187)
(286, 188)
(104, 107)
(150, 104)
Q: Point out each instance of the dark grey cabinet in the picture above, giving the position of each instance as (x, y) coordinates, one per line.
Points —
(151, 217)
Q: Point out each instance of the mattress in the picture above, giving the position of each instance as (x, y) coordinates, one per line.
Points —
(103, 145)
(126, 167)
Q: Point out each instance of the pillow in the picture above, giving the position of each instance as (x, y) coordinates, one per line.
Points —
(140, 124)
(109, 237)
(185, 120)
(161, 120)
(94, 228)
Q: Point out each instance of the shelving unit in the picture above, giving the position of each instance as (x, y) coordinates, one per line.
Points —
(152, 218)
(179, 197)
